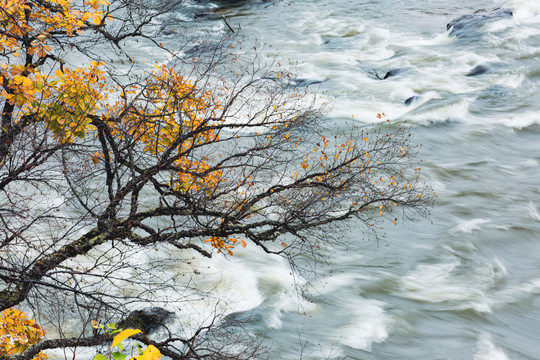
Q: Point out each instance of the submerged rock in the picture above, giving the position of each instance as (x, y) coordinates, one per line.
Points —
(297, 82)
(210, 48)
(200, 15)
(394, 72)
(304, 82)
(412, 99)
(378, 73)
(466, 23)
(166, 30)
(204, 49)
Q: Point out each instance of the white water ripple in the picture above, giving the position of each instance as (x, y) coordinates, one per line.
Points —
(470, 225)
(368, 324)
(486, 350)
(455, 286)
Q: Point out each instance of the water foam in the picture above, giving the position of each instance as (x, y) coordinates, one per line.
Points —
(454, 285)
(368, 324)
(520, 120)
(519, 292)
(526, 10)
(486, 350)
(533, 212)
(470, 225)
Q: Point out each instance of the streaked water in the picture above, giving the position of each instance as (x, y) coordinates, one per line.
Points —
(464, 285)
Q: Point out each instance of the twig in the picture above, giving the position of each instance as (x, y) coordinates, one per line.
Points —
(226, 23)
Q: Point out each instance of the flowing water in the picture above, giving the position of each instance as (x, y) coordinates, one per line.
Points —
(465, 284)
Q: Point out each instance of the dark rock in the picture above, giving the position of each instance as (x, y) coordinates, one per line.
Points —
(147, 320)
(412, 99)
(478, 70)
(394, 72)
(465, 23)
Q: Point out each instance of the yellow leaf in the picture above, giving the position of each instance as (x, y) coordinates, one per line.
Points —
(150, 353)
(124, 335)
(243, 243)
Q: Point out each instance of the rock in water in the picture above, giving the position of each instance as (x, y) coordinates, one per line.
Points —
(465, 23)
(478, 70)
(412, 99)
(299, 82)
(293, 82)
(146, 320)
(395, 72)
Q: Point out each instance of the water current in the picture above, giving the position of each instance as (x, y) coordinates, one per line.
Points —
(464, 284)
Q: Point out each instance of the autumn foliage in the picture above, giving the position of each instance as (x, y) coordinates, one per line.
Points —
(18, 333)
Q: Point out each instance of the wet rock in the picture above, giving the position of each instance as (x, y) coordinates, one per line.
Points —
(146, 320)
(412, 99)
(467, 23)
(478, 70)
(394, 72)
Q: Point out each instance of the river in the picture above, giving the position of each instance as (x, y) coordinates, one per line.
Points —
(463, 284)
